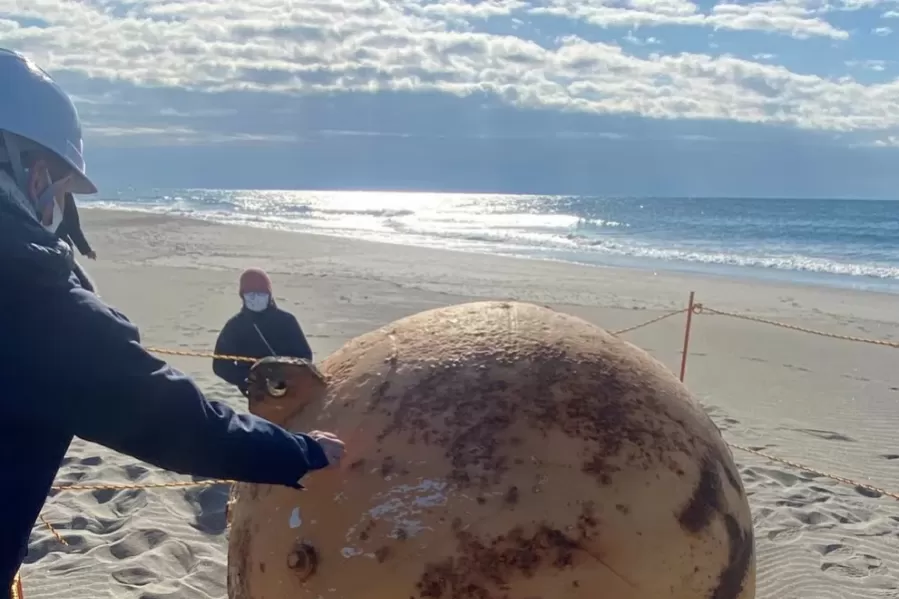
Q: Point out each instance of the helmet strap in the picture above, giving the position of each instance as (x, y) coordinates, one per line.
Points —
(15, 159)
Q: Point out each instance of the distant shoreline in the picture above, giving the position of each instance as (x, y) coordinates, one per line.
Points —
(482, 192)
(861, 283)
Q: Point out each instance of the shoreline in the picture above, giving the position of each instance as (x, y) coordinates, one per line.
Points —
(727, 273)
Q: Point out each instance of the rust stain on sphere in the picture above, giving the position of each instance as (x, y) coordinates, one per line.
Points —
(495, 450)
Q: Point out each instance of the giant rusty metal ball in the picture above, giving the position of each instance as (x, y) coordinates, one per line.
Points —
(495, 450)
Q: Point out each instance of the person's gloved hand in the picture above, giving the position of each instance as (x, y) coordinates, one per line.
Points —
(331, 445)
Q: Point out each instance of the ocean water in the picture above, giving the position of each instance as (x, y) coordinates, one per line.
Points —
(846, 243)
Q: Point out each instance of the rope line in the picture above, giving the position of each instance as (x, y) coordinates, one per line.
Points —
(209, 483)
(702, 309)
(833, 477)
(697, 309)
(652, 321)
(53, 531)
(878, 491)
(131, 486)
(200, 354)
(16, 590)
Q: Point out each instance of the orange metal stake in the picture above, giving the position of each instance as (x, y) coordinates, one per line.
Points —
(683, 359)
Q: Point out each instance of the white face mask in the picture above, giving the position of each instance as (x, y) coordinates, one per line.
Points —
(11, 188)
(56, 220)
(47, 198)
(256, 301)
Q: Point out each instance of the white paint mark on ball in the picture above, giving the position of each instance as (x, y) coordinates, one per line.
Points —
(295, 521)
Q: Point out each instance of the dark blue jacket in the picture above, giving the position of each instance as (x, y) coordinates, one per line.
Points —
(71, 365)
(240, 337)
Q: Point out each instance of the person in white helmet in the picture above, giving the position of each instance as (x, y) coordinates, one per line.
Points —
(110, 390)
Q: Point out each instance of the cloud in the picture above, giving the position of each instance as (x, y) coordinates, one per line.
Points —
(871, 65)
(102, 135)
(852, 5)
(514, 51)
(641, 41)
(774, 16)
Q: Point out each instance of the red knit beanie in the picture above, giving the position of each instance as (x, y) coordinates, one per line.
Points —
(255, 279)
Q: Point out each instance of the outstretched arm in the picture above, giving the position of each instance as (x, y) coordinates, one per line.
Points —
(115, 393)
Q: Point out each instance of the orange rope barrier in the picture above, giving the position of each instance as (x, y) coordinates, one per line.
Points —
(52, 530)
(200, 354)
(16, 590)
(834, 477)
(650, 321)
(131, 486)
(702, 309)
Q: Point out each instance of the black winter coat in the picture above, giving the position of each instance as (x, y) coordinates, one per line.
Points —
(257, 335)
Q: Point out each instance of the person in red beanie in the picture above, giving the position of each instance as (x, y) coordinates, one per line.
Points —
(258, 330)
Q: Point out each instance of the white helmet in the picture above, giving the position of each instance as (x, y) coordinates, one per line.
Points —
(34, 107)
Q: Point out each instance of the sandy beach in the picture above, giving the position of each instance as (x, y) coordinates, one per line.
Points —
(830, 404)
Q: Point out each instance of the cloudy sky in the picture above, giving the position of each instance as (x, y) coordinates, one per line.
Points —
(657, 97)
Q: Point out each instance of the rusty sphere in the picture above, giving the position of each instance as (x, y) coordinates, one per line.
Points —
(495, 450)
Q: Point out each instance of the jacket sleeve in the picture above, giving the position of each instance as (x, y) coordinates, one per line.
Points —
(83, 278)
(230, 371)
(296, 338)
(113, 392)
(73, 229)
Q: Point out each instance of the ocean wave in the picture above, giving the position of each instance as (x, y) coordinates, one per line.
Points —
(623, 248)
(374, 212)
(794, 262)
(504, 226)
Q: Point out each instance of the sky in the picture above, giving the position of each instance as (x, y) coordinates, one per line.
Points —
(779, 98)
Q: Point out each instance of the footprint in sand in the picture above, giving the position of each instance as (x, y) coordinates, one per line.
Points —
(801, 501)
(103, 495)
(811, 517)
(868, 492)
(835, 550)
(785, 478)
(135, 471)
(725, 424)
(853, 377)
(137, 543)
(826, 435)
(843, 561)
(785, 535)
(208, 504)
(135, 576)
